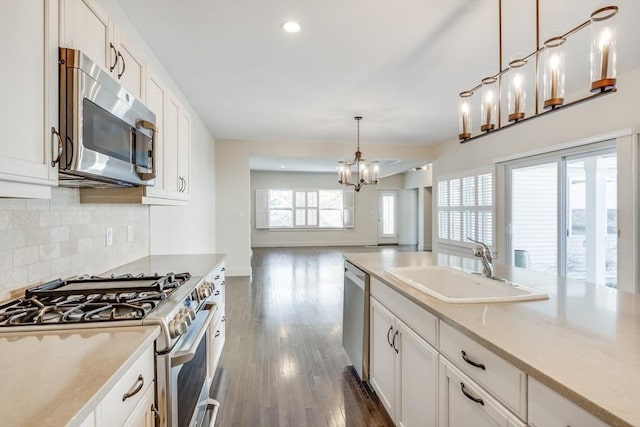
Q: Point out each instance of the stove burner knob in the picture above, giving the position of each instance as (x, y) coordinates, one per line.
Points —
(190, 314)
(177, 327)
(204, 292)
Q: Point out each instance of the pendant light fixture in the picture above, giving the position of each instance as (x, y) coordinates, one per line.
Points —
(549, 79)
(367, 172)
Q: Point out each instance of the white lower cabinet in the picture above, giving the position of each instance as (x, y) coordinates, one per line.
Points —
(403, 370)
(548, 409)
(132, 398)
(144, 413)
(463, 403)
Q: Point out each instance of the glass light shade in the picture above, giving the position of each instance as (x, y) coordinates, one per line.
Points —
(363, 172)
(489, 104)
(464, 118)
(374, 172)
(554, 72)
(603, 48)
(517, 96)
(344, 173)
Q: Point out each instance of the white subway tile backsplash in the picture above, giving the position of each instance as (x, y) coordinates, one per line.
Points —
(25, 219)
(12, 239)
(6, 260)
(49, 218)
(59, 234)
(46, 239)
(5, 219)
(49, 252)
(38, 271)
(25, 256)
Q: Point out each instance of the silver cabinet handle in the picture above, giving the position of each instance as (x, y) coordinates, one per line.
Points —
(115, 56)
(471, 362)
(137, 387)
(124, 66)
(55, 159)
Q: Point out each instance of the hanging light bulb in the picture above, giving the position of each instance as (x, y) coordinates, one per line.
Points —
(517, 92)
(488, 107)
(464, 122)
(603, 49)
(554, 72)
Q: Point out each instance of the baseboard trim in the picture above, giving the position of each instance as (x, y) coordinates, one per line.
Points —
(309, 244)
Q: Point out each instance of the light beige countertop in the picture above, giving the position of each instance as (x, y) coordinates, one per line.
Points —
(57, 378)
(197, 265)
(583, 342)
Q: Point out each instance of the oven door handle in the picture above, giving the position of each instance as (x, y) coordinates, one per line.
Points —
(184, 356)
(213, 406)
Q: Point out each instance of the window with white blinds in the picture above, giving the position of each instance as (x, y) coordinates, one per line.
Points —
(304, 209)
(465, 208)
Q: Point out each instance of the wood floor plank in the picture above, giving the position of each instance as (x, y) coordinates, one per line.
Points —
(283, 362)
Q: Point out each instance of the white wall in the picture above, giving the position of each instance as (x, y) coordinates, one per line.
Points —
(233, 189)
(616, 113)
(365, 231)
(179, 229)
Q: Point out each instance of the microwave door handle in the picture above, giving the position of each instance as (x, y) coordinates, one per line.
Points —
(148, 125)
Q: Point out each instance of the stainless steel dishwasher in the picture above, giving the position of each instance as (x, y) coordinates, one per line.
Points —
(355, 318)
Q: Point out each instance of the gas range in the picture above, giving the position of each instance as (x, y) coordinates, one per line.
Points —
(170, 301)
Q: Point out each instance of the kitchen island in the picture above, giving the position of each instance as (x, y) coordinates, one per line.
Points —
(583, 342)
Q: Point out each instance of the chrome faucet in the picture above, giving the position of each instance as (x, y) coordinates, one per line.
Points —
(484, 252)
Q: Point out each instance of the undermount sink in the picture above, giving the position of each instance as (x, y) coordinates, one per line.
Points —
(455, 286)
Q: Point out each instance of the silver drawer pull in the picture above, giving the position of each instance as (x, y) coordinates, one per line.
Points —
(135, 390)
(470, 397)
(471, 362)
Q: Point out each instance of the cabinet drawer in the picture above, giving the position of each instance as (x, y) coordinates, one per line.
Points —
(464, 403)
(504, 381)
(113, 410)
(420, 320)
(548, 409)
(217, 278)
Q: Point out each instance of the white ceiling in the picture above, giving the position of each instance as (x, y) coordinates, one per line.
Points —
(398, 63)
(310, 164)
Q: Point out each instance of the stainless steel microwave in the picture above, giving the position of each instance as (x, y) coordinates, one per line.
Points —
(106, 135)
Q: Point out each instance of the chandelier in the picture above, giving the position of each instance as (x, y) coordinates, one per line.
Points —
(546, 70)
(367, 172)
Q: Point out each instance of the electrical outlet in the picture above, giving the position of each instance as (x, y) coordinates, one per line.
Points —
(129, 233)
(109, 236)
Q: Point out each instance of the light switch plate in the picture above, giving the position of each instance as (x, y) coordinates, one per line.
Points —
(109, 236)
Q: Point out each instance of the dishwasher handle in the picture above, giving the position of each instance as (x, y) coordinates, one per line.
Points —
(358, 281)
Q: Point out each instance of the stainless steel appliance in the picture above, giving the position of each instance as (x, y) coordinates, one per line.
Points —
(107, 136)
(183, 307)
(355, 318)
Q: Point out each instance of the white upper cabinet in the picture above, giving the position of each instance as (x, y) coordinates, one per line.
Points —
(84, 26)
(29, 108)
(156, 95)
(184, 153)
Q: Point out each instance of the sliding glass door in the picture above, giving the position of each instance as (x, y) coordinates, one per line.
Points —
(563, 215)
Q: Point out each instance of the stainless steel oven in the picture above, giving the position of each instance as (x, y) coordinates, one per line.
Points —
(184, 374)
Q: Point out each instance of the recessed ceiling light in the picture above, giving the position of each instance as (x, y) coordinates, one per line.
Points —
(291, 26)
(282, 166)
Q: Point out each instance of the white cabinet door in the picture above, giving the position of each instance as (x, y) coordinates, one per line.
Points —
(143, 415)
(156, 96)
(417, 376)
(548, 409)
(172, 116)
(382, 361)
(129, 70)
(29, 88)
(84, 26)
(184, 153)
(464, 403)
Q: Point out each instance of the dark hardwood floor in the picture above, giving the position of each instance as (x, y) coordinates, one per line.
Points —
(283, 362)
